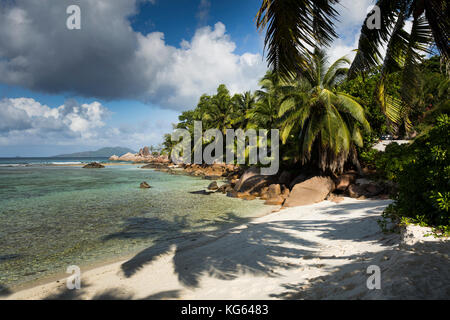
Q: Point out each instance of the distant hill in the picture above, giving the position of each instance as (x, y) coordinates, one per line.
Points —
(104, 152)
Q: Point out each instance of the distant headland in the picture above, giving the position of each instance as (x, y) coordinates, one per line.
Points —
(103, 152)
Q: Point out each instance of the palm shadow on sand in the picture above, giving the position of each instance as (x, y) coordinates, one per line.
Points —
(196, 255)
(416, 272)
(4, 291)
(109, 294)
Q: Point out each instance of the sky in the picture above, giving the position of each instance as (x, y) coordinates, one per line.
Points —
(125, 76)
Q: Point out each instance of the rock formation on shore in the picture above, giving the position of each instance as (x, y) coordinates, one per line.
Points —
(292, 191)
(311, 191)
(286, 189)
(143, 156)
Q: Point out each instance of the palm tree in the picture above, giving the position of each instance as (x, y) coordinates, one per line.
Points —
(328, 123)
(293, 26)
(241, 104)
(430, 24)
(264, 113)
(217, 112)
(167, 145)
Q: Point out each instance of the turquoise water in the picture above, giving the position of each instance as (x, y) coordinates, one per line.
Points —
(52, 217)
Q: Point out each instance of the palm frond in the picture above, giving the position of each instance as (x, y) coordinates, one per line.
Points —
(368, 54)
(291, 27)
(437, 13)
(335, 70)
(347, 104)
(357, 137)
(287, 105)
(419, 42)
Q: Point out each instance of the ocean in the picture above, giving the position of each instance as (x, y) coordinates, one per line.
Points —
(52, 217)
(26, 162)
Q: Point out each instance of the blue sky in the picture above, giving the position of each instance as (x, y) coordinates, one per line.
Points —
(179, 19)
(131, 69)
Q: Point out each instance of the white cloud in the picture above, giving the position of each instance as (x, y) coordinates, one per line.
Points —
(352, 13)
(340, 48)
(25, 118)
(26, 122)
(351, 17)
(181, 75)
(106, 59)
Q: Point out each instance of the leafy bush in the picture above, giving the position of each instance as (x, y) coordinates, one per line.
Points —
(367, 157)
(393, 160)
(422, 173)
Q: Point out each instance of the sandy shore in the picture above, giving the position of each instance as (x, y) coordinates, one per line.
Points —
(313, 252)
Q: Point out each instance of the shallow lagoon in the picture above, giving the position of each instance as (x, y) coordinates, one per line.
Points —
(53, 217)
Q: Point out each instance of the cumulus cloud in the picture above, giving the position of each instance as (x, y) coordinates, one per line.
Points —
(106, 59)
(27, 122)
(182, 75)
(30, 119)
(351, 17)
(352, 14)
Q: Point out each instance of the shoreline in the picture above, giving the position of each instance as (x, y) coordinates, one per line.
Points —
(298, 253)
(60, 276)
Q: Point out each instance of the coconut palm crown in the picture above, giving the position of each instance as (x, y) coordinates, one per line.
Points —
(326, 123)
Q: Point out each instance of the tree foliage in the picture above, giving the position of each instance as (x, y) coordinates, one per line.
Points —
(423, 176)
(404, 51)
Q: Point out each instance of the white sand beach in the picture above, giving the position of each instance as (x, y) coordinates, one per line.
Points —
(320, 251)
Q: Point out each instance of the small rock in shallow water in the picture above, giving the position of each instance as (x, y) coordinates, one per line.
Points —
(213, 186)
(94, 165)
(145, 185)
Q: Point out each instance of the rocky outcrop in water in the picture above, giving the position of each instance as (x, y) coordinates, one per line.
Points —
(213, 186)
(94, 165)
(145, 185)
(290, 188)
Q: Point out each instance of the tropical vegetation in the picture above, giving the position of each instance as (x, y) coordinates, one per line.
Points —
(319, 125)
(422, 175)
(330, 114)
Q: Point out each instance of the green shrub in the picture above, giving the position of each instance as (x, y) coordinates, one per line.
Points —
(393, 160)
(368, 157)
(422, 173)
